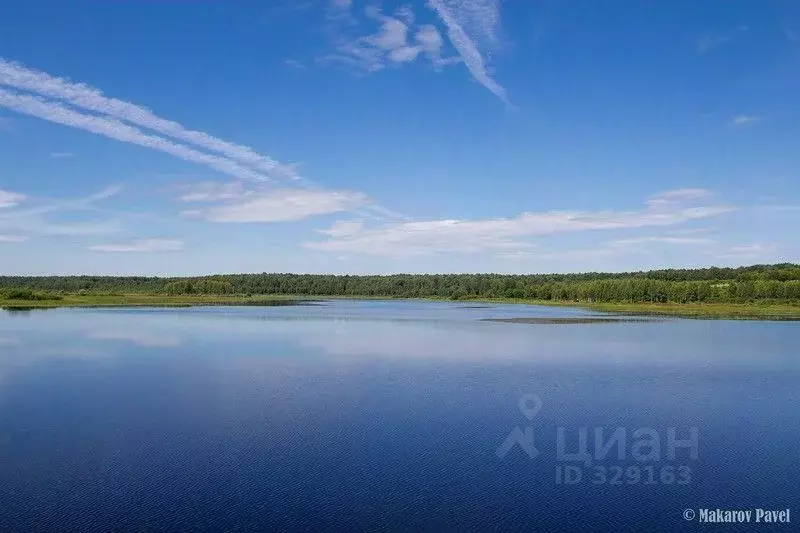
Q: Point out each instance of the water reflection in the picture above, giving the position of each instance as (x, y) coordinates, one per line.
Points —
(147, 339)
(409, 331)
(385, 416)
(21, 311)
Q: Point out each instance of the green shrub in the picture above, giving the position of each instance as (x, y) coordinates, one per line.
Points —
(28, 295)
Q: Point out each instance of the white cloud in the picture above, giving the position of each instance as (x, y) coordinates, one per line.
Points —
(12, 238)
(282, 205)
(743, 120)
(508, 235)
(89, 98)
(405, 13)
(405, 54)
(142, 246)
(428, 42)
(479, 18)
(472, 25)
(393, 34)
(431, 43)
(392, 43)
(10, 199)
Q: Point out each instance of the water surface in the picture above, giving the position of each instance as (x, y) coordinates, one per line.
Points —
(385, 416)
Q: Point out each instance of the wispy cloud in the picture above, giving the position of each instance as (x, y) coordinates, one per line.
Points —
(81, 106)
(43, 206)
(344, 228)
(661, 239)
(691, 231)
(744, 120)
(114, 129)
(12, 238)
(340, 11)
(277, 8)
(141, 246)
(398, 40)
(712, 40)
(280, 205)
(35, 217)
(10, 199)
(471, 26)
(85, 97)
(752, 249)
(105, 227)
(212, 191)
(61, 155)
(749, 252)
(674, 196)
(583, 254)
(510, 235)
(294, 63)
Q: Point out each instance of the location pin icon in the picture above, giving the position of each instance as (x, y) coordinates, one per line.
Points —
(529, 405)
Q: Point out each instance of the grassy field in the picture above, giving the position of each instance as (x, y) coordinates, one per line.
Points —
(739, 311)
(751, 311)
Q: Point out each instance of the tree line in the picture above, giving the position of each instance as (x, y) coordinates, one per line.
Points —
(751, 283)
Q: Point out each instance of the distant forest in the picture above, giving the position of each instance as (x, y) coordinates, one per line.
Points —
(759, 282)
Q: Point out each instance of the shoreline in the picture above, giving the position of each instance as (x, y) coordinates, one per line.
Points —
(738, 311)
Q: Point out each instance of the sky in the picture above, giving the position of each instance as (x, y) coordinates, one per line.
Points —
(172, 137)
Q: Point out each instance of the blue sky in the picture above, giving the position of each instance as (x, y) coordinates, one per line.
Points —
(191, 137)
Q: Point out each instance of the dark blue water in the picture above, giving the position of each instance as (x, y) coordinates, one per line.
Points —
(365, 416)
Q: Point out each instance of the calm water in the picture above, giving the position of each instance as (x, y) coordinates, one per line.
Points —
(359, 416)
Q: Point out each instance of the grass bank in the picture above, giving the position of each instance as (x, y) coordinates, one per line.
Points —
(744, 311)
(148, 300)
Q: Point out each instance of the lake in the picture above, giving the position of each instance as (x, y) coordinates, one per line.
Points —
(392, 415)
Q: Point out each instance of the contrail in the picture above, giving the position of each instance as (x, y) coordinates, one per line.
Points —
(114, 129)
(81, 106)
(467, 49)
(83, 96)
